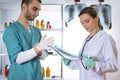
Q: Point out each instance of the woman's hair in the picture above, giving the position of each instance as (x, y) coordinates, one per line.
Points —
(93, 13)
(27, 2)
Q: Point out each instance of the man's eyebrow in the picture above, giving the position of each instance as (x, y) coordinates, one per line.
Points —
(36, 8)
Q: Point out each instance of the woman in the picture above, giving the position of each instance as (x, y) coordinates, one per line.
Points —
(99, 53)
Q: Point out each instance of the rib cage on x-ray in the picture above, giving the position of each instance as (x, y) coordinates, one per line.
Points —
(104, 12)
(70, 11)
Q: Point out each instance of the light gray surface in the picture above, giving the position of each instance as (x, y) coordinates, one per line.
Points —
(2, 77)
(9, 1)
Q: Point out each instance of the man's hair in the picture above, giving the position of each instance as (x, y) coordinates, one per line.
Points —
(27, 2)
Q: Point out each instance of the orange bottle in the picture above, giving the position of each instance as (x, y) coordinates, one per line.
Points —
(37, 23)
(42, 24)
(47, 72)
(5, 25)
(43, 72)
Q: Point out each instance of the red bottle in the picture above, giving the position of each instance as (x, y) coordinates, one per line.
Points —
(6, 70)
(48, 25)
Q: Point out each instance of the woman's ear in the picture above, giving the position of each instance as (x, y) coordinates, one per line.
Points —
(97, 18)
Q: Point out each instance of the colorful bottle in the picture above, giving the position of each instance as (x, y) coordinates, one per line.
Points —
(37, 24)
(6, 70)
(42, 24)
(5, 25)
(43, 72)
(48, 25)
(47, 72)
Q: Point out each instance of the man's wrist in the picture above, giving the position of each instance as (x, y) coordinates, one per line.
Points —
(38, 52)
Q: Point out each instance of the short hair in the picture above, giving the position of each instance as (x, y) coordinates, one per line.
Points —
(27, 2)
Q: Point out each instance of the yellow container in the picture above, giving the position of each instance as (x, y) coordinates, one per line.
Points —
(43, 72)
(42, 24)
(37, 24)
(47, 72)
(5, 25)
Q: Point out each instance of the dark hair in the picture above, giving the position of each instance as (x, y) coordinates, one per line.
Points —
(27, 2)
(92, 12)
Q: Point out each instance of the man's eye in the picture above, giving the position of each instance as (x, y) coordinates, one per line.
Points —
(34, 9)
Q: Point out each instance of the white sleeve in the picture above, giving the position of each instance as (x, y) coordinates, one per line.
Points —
(75, 64)
(25, 56)
(110, 63)
(43, 55)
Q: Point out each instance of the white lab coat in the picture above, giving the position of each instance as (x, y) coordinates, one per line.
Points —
(103, 49)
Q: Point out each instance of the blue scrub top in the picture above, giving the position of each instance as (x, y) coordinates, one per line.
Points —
(17, 38)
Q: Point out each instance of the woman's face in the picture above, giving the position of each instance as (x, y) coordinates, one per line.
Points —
(89, 23)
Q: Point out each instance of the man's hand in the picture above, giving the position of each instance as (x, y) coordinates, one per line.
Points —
(45, 43)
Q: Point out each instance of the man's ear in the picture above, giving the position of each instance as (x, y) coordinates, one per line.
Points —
(23, 6)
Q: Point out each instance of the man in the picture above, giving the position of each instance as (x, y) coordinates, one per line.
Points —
(25, 45)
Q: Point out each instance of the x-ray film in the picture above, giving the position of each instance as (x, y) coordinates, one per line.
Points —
(104, 11)
(70, 11)
(63, 53)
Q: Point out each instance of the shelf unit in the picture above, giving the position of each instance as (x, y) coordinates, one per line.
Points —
(6, 15)
(51, 13)
(54, 16)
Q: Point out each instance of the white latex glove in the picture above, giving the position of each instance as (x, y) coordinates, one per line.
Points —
(44, 43)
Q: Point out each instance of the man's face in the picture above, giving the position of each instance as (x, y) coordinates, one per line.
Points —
(32, 10)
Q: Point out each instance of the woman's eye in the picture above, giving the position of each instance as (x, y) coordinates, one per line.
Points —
(87, 21)
(82, 23)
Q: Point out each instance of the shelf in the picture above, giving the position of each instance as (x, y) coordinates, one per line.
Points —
(2, 77)
(2, 54)
(53, 78)
(52, 29)
(53, 14)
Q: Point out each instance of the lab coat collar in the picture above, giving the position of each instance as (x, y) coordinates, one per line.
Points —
(99, 34)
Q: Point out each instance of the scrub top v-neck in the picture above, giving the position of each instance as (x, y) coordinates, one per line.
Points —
(17, 39)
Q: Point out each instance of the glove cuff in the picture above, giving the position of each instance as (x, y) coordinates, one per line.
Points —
(43, 55)
(67, 62)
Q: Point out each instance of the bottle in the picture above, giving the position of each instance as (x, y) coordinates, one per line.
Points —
(42, 24)
(10, 23)
(47, 72)
(43, 72)
(37, 23)
(5, 25)
(6, 70)
(48, 25)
